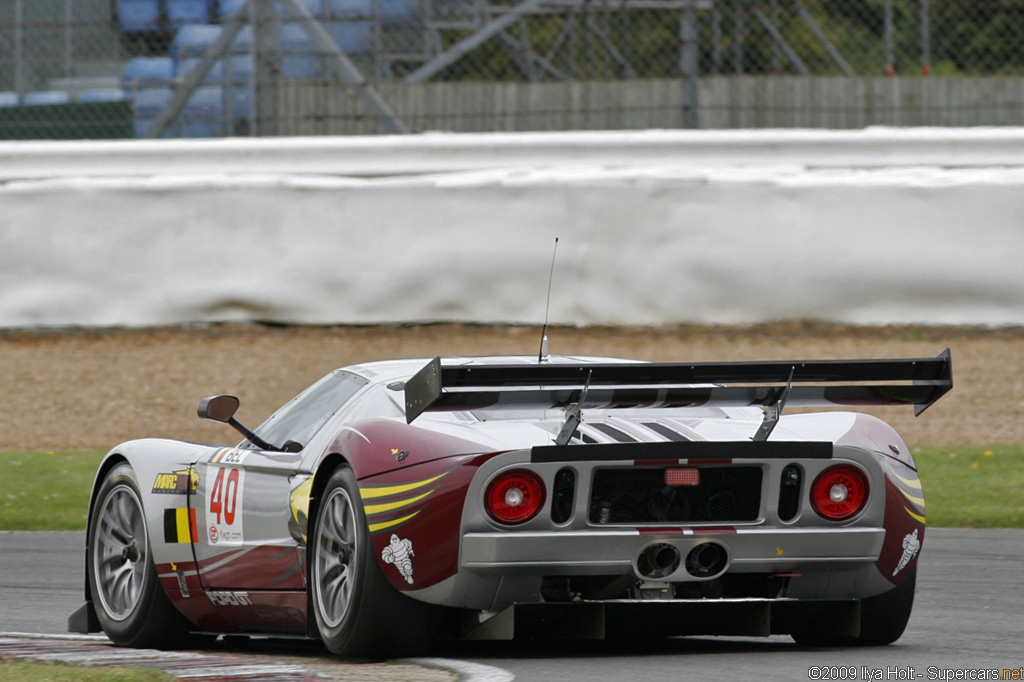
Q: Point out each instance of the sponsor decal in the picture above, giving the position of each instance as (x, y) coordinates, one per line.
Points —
(224, 505)
(911, 546)
(387, 514)
(910, 489)
(399, 552)
(229, 456)
(298, 522)
(230, 598)
(179, 526)
(176, 482)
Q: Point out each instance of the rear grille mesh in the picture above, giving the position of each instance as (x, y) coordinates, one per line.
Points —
(638, 495)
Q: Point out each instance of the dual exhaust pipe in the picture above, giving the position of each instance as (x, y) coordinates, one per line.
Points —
(659, 560)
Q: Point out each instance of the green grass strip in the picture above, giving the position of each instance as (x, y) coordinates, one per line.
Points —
(963, 487)
(973, 487)
(30, 671)
(46, 490)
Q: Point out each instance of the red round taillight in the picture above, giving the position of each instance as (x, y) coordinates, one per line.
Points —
(514, 497)
(839, 492)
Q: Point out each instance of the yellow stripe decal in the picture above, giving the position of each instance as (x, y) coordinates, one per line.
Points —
(916, 517)
(389, 506)
(182, 525)
(374, 527)
(371, 493)
(919, 501)
(910, 483)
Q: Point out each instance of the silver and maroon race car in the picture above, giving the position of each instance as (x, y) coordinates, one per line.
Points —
(392, 503)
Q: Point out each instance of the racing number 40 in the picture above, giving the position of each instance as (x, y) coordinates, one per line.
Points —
(224, 495)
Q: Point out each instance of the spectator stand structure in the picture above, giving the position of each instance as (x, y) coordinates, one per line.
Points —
(267, 66)
(451, 31)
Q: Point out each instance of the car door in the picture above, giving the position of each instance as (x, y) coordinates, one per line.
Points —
(246, 537)
(242, 521)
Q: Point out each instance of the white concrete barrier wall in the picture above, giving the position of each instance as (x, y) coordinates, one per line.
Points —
(871, 227)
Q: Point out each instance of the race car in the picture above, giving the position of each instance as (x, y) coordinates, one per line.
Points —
(395, 502)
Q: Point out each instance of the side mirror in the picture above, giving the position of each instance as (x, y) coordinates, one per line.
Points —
(218, 408)
(222, 408)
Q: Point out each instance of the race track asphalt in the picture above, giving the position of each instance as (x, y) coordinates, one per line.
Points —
(968, 617)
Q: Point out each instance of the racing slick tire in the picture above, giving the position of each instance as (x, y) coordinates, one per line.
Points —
(883, 618)
(132, 608)
(358, 613)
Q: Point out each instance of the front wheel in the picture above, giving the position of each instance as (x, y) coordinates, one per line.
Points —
(358, 613)
(132, 608)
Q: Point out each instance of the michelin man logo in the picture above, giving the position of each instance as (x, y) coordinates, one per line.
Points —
(911, 546)
(399, 553)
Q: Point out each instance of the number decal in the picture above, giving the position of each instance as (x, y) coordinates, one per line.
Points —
(231, 496)
(224, 505)
(215, 495)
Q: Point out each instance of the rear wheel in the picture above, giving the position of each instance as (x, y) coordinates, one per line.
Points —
(358, 613)
(132, 608)
(883, 618)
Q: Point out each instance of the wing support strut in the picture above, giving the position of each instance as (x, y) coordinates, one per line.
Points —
(773, 409)
(573, 416)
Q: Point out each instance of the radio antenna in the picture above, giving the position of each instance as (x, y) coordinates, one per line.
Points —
(542, 356)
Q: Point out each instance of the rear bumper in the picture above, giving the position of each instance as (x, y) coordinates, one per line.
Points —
(611, 551)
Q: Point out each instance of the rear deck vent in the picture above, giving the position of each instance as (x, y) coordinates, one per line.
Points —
(665, 431)
(618, 435)
(790, 486)
(563, 495)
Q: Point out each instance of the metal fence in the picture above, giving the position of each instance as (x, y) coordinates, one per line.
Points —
(236, 67)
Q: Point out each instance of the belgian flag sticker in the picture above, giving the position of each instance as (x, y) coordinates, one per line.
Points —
(179, 525)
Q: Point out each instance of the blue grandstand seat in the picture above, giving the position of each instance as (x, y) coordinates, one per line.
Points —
(203, 114)
(299, 55)
(148, 104)
(351, 35)
(193, 40)
(239, 69)
(181, 12)
(213, 77)
(226, 8)
(142, 72)
(138, 15)
(45, 97)
(350, 9)
(241, 103)
(103, 95)
(398, 9)
(318, 8)
(190, 44)
(8, 99)
(243, 40)
(350, 23)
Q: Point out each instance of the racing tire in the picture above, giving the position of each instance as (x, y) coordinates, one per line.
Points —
(883, 618)
(358, 613)
(132, 608)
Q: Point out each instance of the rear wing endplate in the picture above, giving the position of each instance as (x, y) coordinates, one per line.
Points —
(848, 383)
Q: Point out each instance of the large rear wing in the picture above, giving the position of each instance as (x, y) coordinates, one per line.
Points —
(850, 383)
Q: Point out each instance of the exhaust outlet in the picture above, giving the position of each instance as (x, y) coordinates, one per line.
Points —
(707, 560)
(658, 561)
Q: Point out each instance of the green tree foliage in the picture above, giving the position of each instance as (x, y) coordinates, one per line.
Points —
(609, 39)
